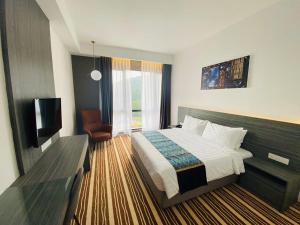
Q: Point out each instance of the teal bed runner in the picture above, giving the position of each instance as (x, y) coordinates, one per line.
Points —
(190, 170)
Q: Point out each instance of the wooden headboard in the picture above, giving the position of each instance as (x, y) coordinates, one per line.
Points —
(263, 136)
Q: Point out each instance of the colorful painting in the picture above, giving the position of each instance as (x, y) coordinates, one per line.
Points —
(230, 74)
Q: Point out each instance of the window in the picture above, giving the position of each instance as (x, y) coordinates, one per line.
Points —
(136, 97)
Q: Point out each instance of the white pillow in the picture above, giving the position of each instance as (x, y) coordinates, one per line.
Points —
(241, 139)
(194, 125)
(226, 136)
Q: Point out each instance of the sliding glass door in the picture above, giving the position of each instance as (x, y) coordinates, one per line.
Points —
(136, 95)
(136, 99)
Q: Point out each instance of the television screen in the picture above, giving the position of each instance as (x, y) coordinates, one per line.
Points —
(47, 118)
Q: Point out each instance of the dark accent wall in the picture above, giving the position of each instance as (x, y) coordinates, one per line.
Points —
(85, 89)
(25, 36)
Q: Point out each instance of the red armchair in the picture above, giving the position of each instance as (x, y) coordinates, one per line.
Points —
(93, 126)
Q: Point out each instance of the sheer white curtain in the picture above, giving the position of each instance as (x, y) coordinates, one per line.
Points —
(122, 107)
(151, 95)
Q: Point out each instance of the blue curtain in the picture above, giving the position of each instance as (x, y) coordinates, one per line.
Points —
(106, 89)
(165, 108)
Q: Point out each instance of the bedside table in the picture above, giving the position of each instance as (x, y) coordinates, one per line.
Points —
(274, 183)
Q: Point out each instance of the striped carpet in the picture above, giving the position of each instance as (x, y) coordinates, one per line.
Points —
(114, 192)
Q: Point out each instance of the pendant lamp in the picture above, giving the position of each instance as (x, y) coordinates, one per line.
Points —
(95, 74)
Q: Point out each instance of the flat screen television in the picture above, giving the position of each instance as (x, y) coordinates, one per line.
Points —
(47, 119)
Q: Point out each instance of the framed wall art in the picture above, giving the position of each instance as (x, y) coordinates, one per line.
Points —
(229, 74)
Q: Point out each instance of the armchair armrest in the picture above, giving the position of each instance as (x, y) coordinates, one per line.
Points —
(87, 131)
(107, 127)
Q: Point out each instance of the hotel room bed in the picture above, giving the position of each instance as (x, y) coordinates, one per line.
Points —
(263, 137)
(222, 165)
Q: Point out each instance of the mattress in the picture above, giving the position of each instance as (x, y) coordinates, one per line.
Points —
(219, 160)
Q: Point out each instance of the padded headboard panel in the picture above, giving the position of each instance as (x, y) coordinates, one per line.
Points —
(263, 137)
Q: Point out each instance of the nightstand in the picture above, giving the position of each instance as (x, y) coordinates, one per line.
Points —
(274, 183)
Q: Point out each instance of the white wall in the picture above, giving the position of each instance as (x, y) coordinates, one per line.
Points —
(129, 53)
(63, 79)
(8, 164)
(272, 38)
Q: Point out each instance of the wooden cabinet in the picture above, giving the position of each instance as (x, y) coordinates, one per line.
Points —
(274, 183)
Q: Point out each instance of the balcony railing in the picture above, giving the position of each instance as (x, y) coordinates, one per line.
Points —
(136, 119)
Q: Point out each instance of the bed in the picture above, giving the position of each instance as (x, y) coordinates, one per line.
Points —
(264, 136)
(222, 165)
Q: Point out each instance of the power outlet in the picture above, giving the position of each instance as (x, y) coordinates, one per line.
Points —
(279, 158)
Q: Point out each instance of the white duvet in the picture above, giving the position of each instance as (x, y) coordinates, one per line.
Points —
(219, 161)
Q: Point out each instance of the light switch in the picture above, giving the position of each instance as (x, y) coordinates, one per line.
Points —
(278, 158)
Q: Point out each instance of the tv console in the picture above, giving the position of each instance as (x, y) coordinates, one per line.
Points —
(42, 195)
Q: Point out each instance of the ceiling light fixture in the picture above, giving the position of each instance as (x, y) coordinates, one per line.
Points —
(95, 74)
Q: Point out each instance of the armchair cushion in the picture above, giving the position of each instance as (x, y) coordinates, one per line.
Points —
(101, 136)
(93, 126)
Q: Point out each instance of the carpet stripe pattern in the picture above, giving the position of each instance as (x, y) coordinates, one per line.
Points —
(114, 193)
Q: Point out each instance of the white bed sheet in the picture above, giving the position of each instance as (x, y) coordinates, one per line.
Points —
(219, 161)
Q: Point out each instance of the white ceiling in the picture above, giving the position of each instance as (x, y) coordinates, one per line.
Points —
(163, 26)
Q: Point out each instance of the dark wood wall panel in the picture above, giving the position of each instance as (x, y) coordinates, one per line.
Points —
(263, 135)
(25, 34)
(86, 90)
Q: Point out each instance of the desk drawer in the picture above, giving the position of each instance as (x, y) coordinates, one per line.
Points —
(263, 185)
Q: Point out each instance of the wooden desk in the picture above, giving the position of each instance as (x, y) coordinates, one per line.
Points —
(62, 159)
(38, 204)
(41, 197)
